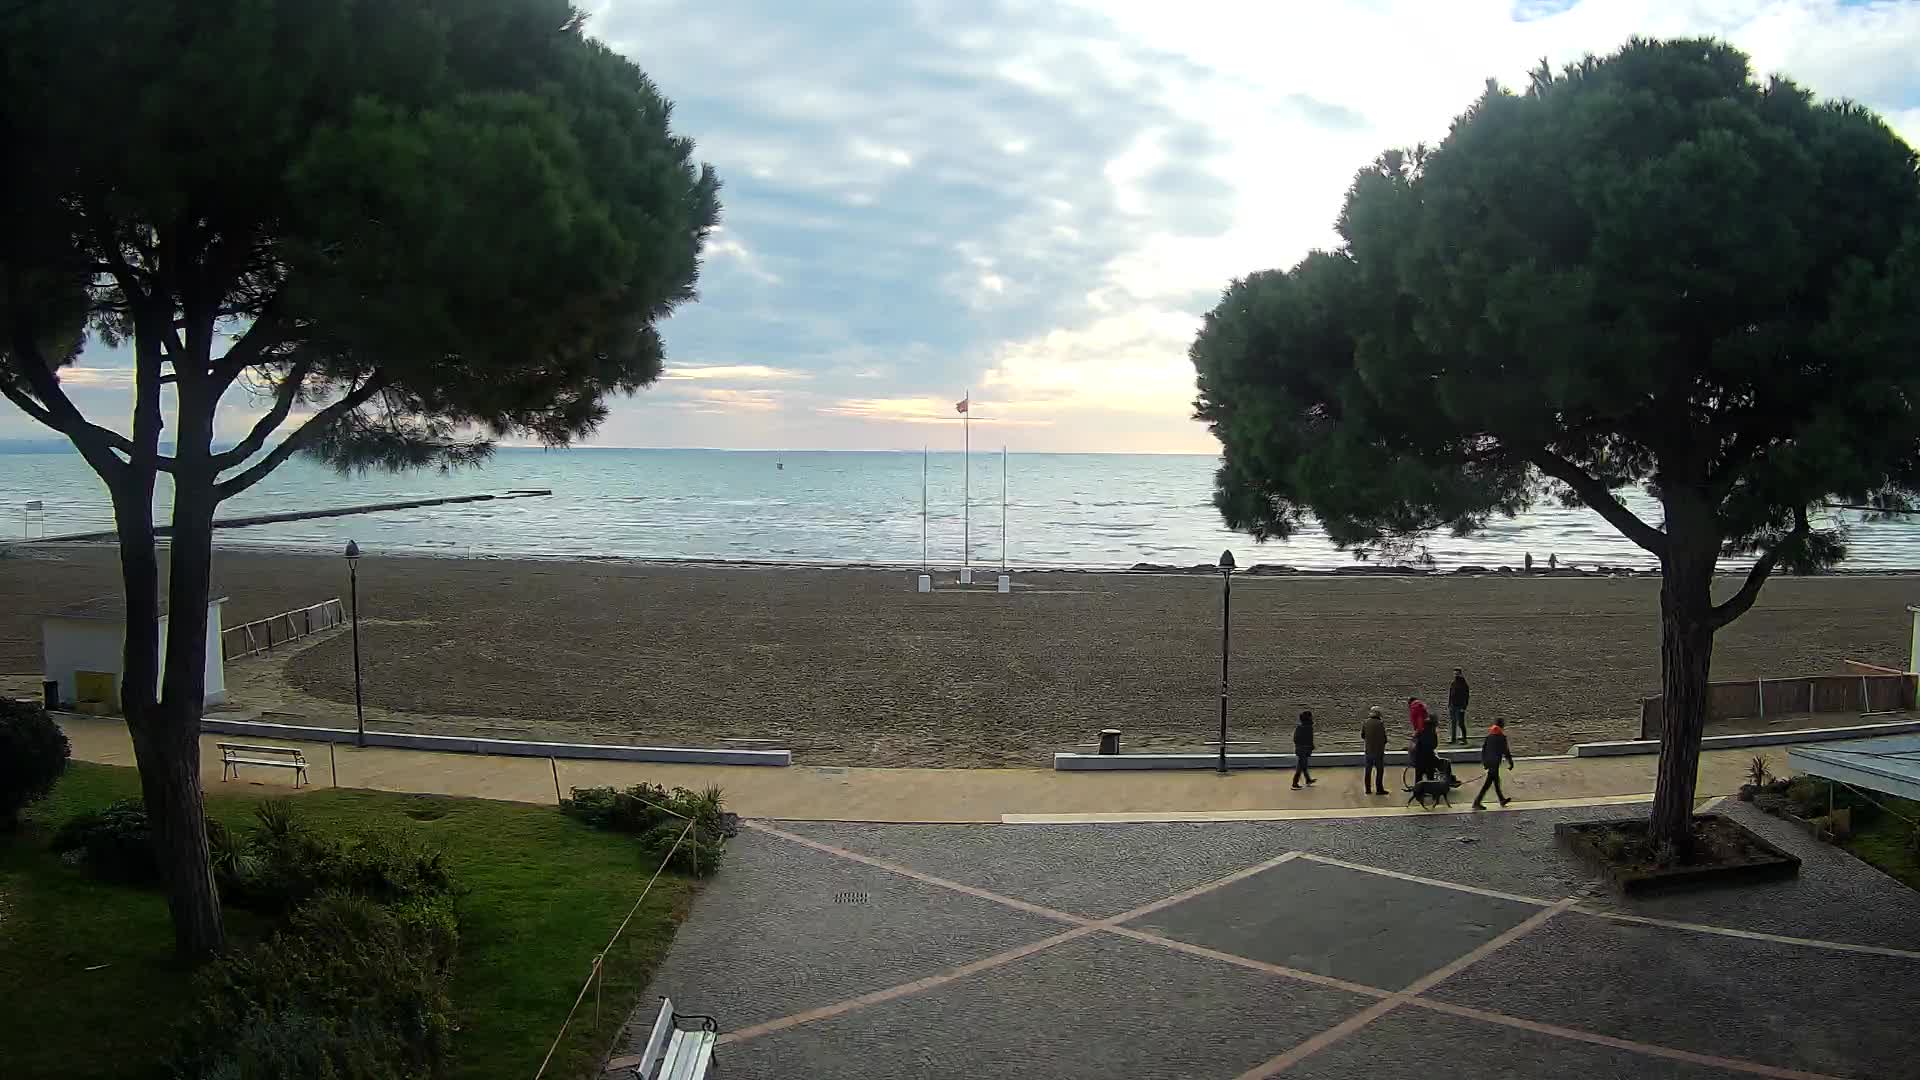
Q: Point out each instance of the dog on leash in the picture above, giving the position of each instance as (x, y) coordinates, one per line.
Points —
(1431, 793)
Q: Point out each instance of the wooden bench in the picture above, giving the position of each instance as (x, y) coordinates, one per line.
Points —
(674, 1052)
(233, 755)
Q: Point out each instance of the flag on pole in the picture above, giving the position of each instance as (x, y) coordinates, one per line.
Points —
(961, 405)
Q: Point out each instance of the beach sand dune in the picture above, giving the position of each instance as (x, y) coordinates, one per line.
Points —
(852, 667)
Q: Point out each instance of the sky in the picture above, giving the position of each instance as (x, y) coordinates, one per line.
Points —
(1034, 203)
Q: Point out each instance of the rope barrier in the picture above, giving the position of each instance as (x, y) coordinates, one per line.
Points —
(599, 958)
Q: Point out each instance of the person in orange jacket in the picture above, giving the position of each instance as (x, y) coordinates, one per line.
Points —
(1491, 752)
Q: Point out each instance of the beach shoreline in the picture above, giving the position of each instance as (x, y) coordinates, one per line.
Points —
(1354, 571)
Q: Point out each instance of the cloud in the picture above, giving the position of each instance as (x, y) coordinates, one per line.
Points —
(1040, 200)
(741, 372)
(78, 376)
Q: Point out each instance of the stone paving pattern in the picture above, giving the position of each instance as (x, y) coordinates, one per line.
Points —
(769, 938)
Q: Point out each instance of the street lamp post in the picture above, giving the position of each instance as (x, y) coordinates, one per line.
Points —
(1226, 630)
(353, 587)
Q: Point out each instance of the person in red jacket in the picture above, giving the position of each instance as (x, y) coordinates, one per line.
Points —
(1417, 714)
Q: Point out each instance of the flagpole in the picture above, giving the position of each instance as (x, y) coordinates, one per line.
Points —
(923, 508)
(1003, 508)
(966, 482)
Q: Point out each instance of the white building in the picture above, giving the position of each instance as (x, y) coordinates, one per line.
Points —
(81, 649)
(1913, 659)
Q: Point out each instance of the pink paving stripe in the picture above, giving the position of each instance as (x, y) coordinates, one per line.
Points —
(907, 872)
(1647, 1049)
(1248, 962)
(916, 986)
(1378, 1009)
(1202, 890)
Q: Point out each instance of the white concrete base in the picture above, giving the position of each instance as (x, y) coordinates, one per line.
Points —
(926, 583)
(1625, 747)
(507, 747)
(966, 575)
(1005, 584)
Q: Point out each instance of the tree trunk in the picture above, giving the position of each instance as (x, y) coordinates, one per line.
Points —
(180, 832)
(1686, 664)
(166, 738)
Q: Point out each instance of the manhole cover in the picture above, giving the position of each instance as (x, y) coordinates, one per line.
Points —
(850, 898)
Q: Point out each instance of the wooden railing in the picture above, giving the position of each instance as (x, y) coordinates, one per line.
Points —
(263, 634)
(1863, 694)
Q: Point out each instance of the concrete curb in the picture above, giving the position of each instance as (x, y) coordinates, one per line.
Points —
(1758, 738)
(462, 744)
(1332, 759)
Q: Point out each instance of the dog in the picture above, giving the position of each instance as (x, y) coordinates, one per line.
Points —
(1431, 793)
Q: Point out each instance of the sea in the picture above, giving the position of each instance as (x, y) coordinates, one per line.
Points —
(827, 507)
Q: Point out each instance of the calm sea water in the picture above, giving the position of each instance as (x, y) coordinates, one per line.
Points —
(827, 507)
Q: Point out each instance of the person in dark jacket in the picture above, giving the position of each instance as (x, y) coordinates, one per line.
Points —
(1426, 751)
(1303, 749)
(1492, 751)
(1457, 708)
(1373, 733)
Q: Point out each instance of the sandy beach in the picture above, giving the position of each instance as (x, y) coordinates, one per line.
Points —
(853, 667)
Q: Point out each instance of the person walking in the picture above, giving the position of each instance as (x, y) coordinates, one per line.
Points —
(1426, 751)
(1492, 751)
(1457, 708)
(1373, 734)
(1303, 749)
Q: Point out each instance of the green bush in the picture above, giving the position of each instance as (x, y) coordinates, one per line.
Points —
(657, 816)
(350, 990)
(284, 864)
(115, 841)
(33, 754)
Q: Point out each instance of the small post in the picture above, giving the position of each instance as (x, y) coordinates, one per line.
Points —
(1760, 693)
(557, 800)
(1110, 741)
(333, 767)
(1809, 697)
(353, 591)
(1226, 631)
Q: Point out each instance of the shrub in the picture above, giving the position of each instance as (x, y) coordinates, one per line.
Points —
(33, 754)
(657, 816)
(351, 989)
(286, 864)
(115, 841)
(1758, 771)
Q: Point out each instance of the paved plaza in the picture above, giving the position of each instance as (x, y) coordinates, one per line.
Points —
(1386, 948)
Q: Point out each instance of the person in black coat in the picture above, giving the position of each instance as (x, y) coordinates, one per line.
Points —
(1303, 749)
(1426, 751)
(1491, 753)
(1457, 708)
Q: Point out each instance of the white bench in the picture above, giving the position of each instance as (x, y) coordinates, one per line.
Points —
(674, 1052)
(233, 755)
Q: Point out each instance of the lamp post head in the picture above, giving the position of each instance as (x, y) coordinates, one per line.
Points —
(353, 551)
(1226, 562)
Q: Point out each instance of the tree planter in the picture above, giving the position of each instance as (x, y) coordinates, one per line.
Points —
(1727, 854)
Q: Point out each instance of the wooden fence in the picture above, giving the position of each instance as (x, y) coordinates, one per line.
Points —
(258, 637)
(1760, 698)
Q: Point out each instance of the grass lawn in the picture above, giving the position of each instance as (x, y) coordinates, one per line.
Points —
(543, 895)
(1883, 842)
